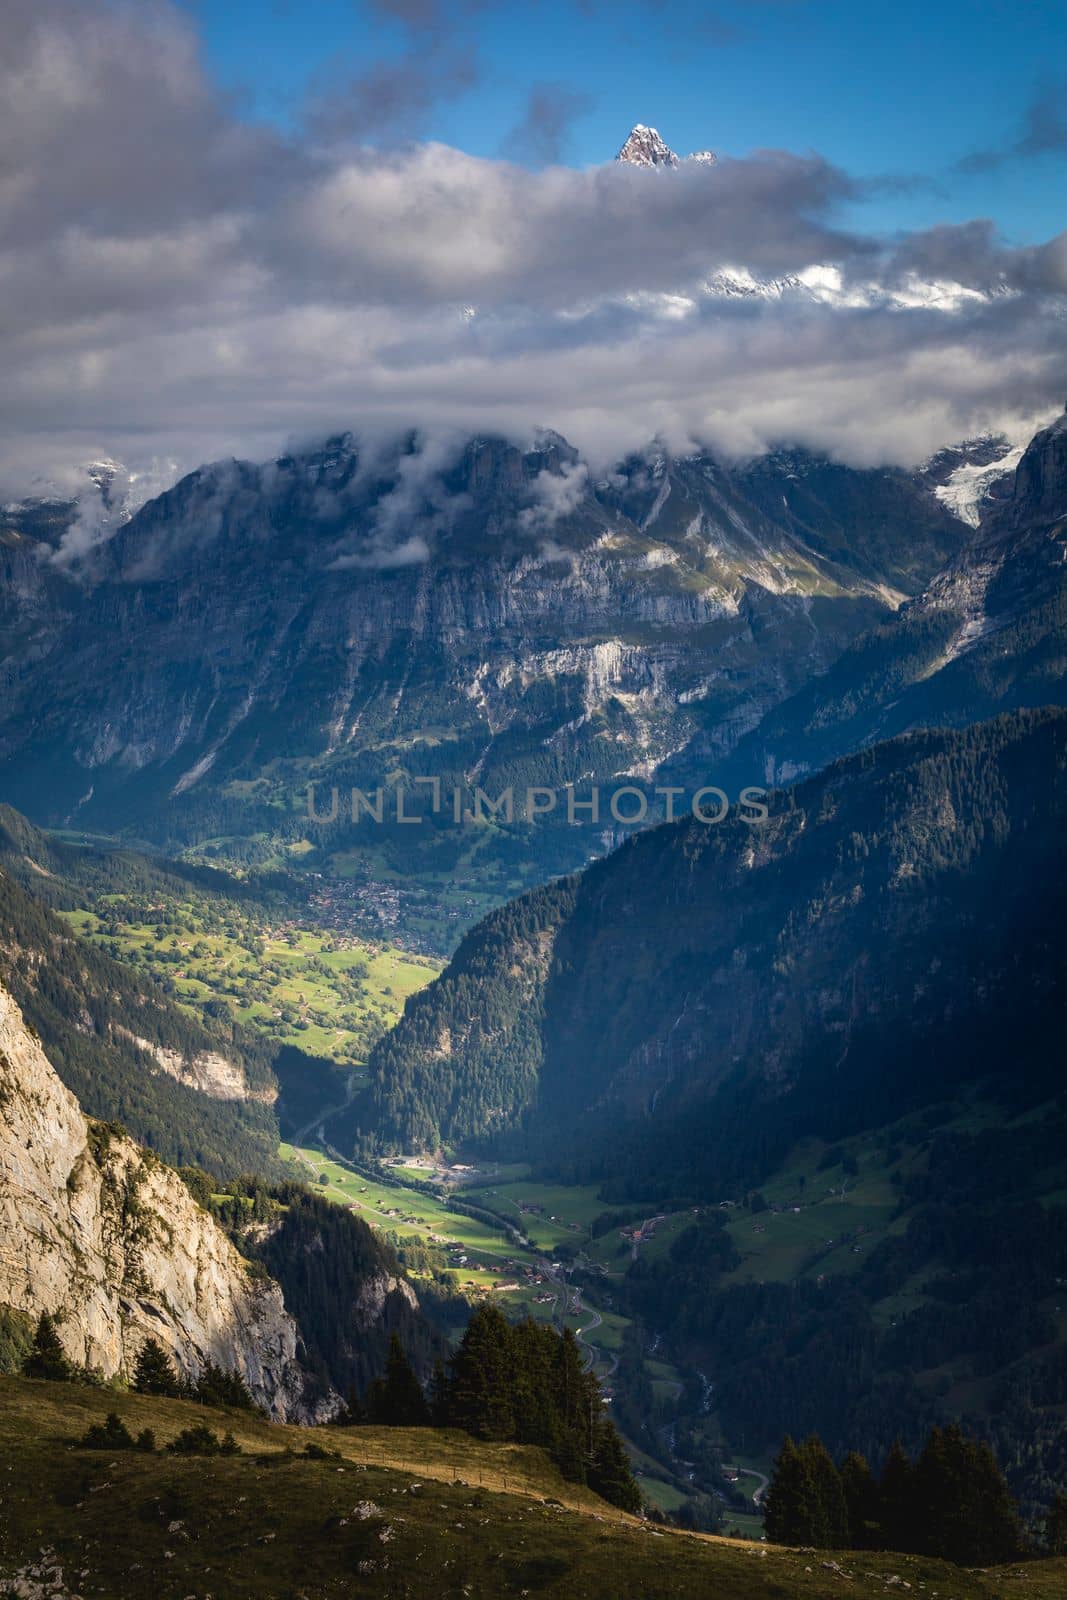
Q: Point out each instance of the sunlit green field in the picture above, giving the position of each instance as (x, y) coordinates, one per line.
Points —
(493, 1258)
(329, 995)
(563, 1215)
(412, 1216)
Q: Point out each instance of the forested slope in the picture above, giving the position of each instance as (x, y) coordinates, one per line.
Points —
(708, 994)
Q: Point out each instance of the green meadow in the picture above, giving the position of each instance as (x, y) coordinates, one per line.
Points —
(330, 995)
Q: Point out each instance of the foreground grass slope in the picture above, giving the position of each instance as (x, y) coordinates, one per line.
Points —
(394, 1513)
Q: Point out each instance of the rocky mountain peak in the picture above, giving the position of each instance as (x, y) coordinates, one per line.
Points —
(645, 148)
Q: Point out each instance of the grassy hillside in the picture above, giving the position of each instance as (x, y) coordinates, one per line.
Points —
(218, 964)
(329, 995)
(107, 1032)
(394, 1513)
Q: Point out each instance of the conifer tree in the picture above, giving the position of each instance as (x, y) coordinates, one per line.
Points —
(1056, 1525)
(154, 1372)
(861, 1500)
(830, 1523)
(396, 1400)
(791, 1501)
(48, 1359)
(569, 1386)
(965, 1510)
(480, 1378)
(896, 1501)
(941, 1495)
(537, 1418)
(990, 1521)
(217, 1387)
(111, 1434)
(610, 1473)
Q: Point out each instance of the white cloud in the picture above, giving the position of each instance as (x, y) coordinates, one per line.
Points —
(178, 286)
(555, 495)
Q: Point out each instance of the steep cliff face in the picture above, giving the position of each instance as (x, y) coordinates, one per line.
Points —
(485, 614)
(97, 1231)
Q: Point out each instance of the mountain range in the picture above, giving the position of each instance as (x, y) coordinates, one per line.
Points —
(645, 148)
(480, 614)
(865, 979)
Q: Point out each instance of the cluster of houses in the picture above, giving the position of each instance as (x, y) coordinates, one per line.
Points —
(368, 907)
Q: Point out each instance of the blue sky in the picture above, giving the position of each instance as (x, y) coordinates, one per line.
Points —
(897, 90)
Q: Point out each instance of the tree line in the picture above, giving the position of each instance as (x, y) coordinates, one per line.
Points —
(520, 1383)
(154, 1372)
(952, 1501)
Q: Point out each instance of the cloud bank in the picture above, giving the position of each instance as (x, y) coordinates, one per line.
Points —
(177, 285)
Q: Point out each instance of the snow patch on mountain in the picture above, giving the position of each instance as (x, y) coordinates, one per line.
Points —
(968, 488)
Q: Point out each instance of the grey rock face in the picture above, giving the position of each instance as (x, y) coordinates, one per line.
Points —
(645, 148)
(98, 1232)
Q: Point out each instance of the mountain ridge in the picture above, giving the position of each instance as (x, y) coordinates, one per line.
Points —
(983, 636)
(707, 915)
(492, 615)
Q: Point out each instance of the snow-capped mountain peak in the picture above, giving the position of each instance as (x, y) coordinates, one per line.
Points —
(645, 148)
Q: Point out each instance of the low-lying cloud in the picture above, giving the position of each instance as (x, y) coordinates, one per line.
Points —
(178, 285)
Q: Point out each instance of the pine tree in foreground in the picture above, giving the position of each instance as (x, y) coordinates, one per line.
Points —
(111, 1434)
(216, 1387)
(48, 1359)
(154, 1372)
(522, 1384)
(792, 1510)
(480, 1378)
(610, 1473)
(897, 1510)
(861, 1501)
(396, 1400)
(953, 1503)
(830, 1527)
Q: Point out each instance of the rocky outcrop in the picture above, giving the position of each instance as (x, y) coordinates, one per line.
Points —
(208, 1071)
(645, 148)
(100, 1233)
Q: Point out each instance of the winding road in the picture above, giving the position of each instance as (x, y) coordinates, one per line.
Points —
(750, 1472)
